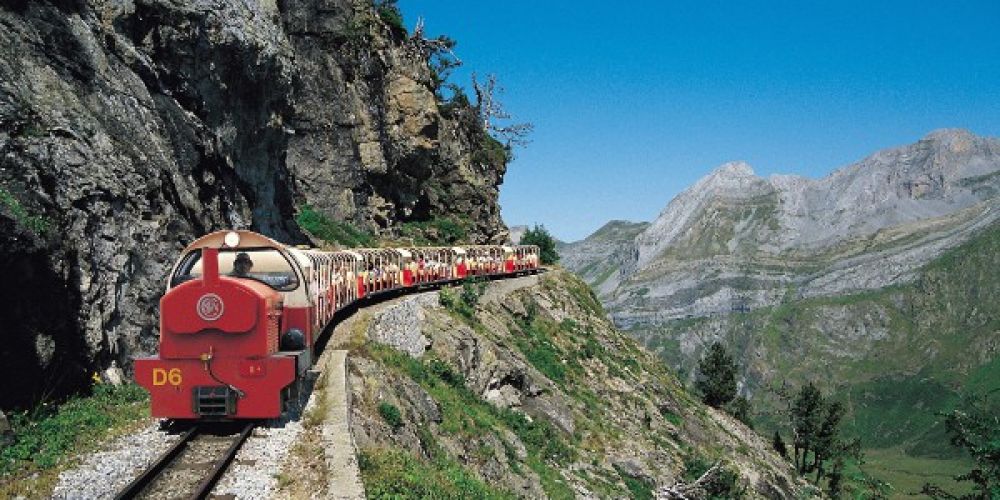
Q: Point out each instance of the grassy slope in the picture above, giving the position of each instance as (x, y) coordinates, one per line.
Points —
(560, 331)
(48, 439)
(898, 355)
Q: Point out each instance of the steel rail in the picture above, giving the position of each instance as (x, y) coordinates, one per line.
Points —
(206, 485)
(153, 471)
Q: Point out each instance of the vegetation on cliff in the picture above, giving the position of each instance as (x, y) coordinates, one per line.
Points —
(524, 385)
(898, 356)
(46, 437)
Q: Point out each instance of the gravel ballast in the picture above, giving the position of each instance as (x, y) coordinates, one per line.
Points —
(103, 473)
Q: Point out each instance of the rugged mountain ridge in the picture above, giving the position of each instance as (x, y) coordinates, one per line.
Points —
(875, 282)
(736, 241)
(128, 128)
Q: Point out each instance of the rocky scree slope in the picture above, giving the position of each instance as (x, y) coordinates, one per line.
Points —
(535, 393)
(128, 128)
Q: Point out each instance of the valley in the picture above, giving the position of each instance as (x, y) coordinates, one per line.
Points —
(895, 314)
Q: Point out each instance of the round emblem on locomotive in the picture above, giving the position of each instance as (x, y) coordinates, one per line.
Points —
(210, 307)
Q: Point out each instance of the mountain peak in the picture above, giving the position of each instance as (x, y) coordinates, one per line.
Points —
(948, 134)
(733, 169)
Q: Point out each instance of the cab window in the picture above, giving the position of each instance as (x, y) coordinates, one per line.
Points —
(266, 265)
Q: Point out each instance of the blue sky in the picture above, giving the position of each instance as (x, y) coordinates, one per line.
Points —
(634, 101)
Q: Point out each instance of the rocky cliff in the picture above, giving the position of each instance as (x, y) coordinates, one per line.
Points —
(599, 258)
(128, 128)
(534, 393)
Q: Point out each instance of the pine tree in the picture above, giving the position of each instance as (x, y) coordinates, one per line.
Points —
(779, 445)
(741, 409)
(716, 376)
(828, 443)
(975, 426)
(806, 417)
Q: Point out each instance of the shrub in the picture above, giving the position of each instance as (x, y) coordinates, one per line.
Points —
(491, 152)
(389, 12)
(725, 483)
(741, 409)
(975, 427)
(466, 301)
(446, 297)
(390, 414)
(546, 243)
(444, 371)
(472, 290)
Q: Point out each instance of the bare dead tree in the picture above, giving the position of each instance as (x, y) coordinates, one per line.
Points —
(491, 112)
(439, 51)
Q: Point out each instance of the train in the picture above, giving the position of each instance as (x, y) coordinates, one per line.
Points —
(242, 315)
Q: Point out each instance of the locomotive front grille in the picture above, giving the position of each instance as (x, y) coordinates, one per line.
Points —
(214, 401)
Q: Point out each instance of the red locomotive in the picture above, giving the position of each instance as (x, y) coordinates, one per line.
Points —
(241, 315)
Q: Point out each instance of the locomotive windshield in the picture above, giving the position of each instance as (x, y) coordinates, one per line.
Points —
(265, 265)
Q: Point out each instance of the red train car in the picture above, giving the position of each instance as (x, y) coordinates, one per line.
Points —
(242, 312)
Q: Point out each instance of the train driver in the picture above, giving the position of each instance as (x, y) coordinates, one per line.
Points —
(242, 265)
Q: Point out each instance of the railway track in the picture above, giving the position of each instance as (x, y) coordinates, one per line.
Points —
(191, 467)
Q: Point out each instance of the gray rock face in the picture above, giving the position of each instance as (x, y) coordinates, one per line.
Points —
(598, 258)
(946, 171)
(128, 128)
(540, 348)
(736, 241)
(401, 325)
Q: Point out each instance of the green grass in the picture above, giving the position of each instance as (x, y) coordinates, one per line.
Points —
(45, 437)
(436, 231)
(553, 483)
(889, 411)
(394, 474)
(465, 414)
(331, 231)
(543, 353)
(37, 224)
(638, 488)
(907, 474)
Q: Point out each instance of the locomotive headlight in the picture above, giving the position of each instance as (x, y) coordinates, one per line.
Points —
(232, 239)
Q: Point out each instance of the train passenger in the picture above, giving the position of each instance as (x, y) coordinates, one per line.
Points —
(395, 278)
(350, 283)
(338, 286)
